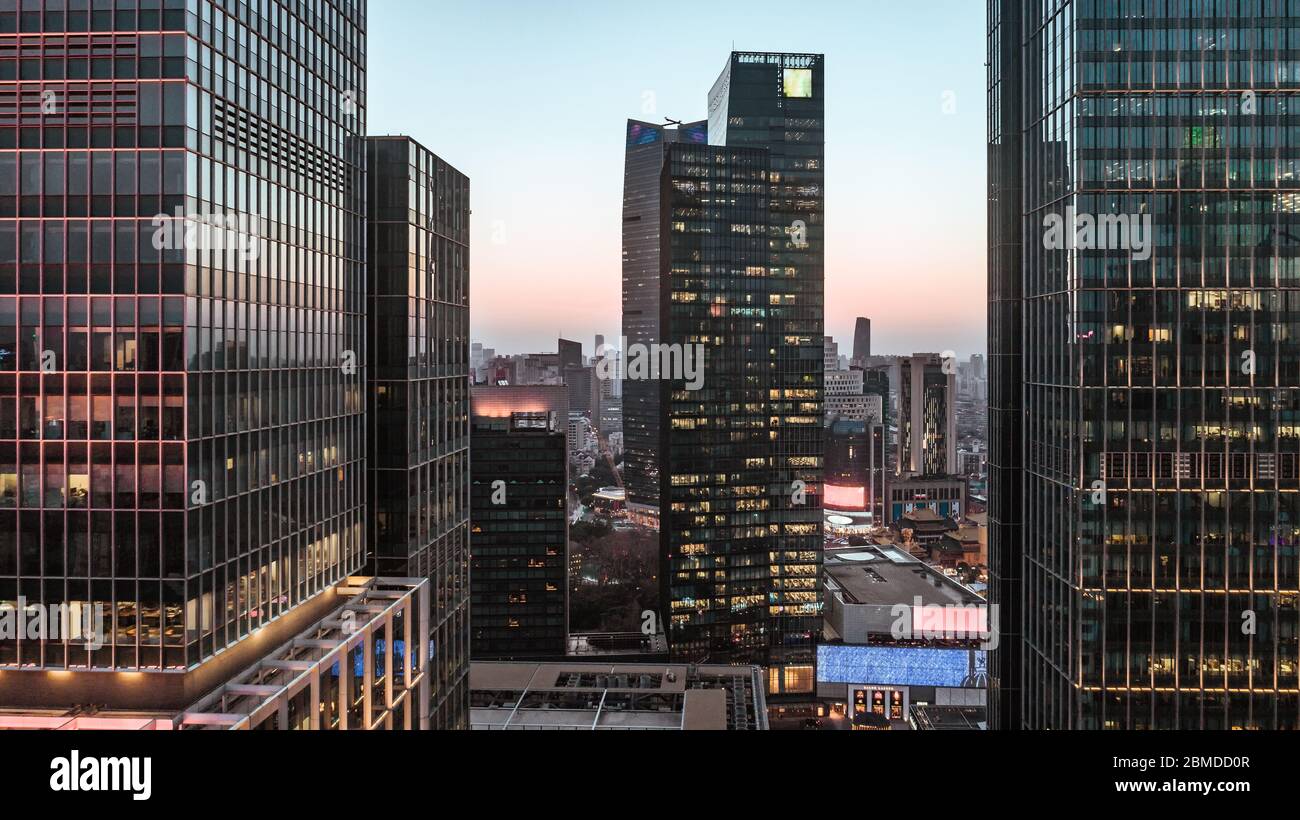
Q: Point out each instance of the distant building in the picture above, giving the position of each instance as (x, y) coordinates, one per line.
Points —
(581, 433)
(830, 355)
(611, 418)
(584, 390)
(972, 463)
(862, 340)
(945, 495)
(855, 467)
(876, 382)
(927, 415)
(570, 354)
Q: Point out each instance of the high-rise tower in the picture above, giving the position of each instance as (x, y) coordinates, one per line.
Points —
(741, 277)
(646, 145)
(1144, 473)
(862, 340)
(182, 277)
(418, 424)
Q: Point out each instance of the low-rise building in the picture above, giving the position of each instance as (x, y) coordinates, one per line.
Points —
(897, 633)
(579, 696)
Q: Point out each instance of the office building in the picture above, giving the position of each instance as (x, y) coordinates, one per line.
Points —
(1005, 356)
(862, 340)
(181, 409)
(715, 451)
(855, 469)
(876, 382)
(418, 378)
(927, 415)
(1144, 500)
(570, 354)
(643, 266)
(775, 103)
(741, 278)
(519, 522)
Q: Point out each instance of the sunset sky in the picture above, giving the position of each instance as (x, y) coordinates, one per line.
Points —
(530, 99)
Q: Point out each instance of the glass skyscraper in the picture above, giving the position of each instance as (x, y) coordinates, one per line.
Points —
(740, 457)
(716, 453)
(777, 102)
(1145, 398)
(418, 375)
(646, 147)
(181, 412)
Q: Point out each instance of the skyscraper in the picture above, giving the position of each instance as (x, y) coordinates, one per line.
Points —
(715, 454)
(740, 453)
(1006, 380)
(927, 415)
(1146, 495)
(643, 267)
(777, 102)
(418, 377)
(862, 340)
(181, 430)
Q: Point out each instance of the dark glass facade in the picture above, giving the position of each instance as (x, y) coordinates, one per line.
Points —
(862, 339)
(776, 102)
(180, 443)
(1006, 425)
(1161, 385)
(520, 524)
(716, 457)
(418, 375)
(642, 218)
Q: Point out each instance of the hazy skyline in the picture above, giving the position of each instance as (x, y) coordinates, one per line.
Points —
(535, 115)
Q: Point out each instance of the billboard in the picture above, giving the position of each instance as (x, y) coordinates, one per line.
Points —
(902, 666)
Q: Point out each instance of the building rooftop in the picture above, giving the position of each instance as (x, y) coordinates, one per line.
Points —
(888, 575)
(961, 718)
(83, 719)
(587, 644)
(365, 604)
(588, 696)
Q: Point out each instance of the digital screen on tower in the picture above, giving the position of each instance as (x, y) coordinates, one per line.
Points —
(799, 83)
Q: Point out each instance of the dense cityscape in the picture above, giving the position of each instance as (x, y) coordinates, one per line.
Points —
(263, 465)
